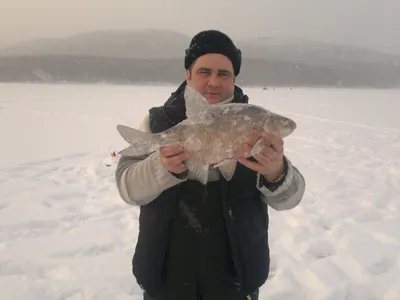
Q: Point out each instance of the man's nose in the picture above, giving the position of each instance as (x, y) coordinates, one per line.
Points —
(214, 81)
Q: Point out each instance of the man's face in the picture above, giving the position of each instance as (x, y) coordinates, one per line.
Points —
(212, 75)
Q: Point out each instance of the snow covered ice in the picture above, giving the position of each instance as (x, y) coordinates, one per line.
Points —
(66, 234)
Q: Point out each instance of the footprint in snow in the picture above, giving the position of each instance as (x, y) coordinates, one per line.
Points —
(4, 205)
(321, 249)
(381, 267)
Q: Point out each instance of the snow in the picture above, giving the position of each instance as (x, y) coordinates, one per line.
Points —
(66, 234)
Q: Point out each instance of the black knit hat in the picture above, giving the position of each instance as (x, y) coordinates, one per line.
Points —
(213, 41)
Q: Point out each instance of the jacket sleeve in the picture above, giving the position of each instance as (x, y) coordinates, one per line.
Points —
(140, 180)
(288, 194)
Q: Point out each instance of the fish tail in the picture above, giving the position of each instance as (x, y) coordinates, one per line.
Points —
(141, 142)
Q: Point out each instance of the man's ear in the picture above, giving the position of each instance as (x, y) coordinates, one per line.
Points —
(188, 75)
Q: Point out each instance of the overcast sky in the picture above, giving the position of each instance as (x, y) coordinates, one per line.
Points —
(373, 24)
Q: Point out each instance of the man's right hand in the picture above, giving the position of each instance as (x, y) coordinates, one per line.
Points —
(172, 158)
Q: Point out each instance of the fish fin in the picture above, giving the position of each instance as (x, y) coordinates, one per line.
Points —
(198, 168)
(141, 142)
(129, 151)
(227, 168)
(196, 105)
(257, 147)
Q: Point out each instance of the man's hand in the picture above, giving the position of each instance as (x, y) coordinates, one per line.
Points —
(269, 162)
(172, 158)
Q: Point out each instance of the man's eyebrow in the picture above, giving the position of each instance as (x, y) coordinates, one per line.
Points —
(204, 69)
(224, 71)
(219, 70)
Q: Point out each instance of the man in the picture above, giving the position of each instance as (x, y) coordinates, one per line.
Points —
(196, 241)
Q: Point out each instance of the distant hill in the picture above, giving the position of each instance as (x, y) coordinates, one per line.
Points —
(157, 56)
(144, 44)
(91, 69)
(311, 52)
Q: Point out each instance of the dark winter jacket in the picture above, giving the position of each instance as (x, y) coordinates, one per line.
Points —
(222, 226)
(235, 204)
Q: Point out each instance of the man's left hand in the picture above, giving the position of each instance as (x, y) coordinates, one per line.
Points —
(269, 161)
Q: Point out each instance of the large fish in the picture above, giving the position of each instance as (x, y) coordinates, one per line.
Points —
(213, 134)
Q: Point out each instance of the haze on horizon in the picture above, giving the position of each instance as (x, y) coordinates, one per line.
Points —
(370, 24)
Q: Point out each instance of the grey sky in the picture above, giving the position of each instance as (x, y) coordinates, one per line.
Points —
(367, 23)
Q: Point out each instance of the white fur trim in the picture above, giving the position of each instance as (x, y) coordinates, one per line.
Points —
(289, 194)
(144, 125)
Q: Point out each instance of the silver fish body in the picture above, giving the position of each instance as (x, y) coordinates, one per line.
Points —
(213, 134)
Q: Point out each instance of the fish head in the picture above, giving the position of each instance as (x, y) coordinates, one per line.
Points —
(280, 125)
